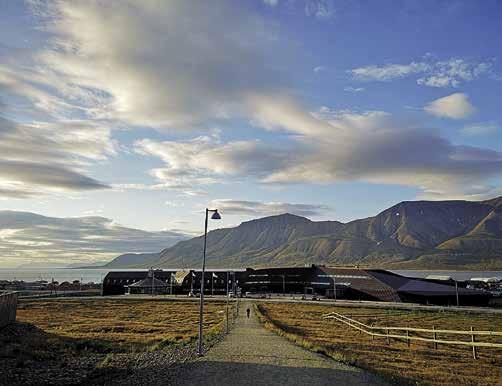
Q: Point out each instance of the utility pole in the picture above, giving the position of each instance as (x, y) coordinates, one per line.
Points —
(153, 278)
(171, 283)
(283, 285)
(81, 283)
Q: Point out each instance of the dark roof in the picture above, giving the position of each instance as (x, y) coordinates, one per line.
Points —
(424, 287)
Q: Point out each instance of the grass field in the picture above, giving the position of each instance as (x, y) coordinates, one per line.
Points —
(422, 364)
(121, 325)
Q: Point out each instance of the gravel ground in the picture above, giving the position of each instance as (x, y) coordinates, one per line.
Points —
(251, 355)
(18, 369)
(146, 368)
(142, 368)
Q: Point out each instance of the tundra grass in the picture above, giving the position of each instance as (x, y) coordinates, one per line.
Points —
(419, 364)
(104, 325)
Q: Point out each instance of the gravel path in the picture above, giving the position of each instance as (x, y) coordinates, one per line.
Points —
(251, 355)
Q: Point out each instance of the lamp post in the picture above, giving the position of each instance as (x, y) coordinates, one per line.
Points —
(226, 329)
(214, 216)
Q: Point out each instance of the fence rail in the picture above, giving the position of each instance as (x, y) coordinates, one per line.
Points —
(384, 332)
(8, 308)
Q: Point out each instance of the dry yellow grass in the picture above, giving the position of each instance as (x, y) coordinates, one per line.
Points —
(121, 324)
(448, 365)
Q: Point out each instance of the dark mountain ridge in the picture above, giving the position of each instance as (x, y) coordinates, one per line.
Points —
(411, 234)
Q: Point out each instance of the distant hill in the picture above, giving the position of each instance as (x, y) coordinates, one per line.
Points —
(131, 260)
(411, 234)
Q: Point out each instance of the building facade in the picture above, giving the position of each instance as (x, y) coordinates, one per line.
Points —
(340, 282)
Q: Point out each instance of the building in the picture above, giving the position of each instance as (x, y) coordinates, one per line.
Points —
(149, 285)
(176, 281)
(344, 283)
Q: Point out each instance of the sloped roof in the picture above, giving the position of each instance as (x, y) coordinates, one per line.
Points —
(180, 276)
(149, 282)
(430, 288)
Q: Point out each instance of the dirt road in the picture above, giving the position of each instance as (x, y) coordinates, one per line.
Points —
(251, 355)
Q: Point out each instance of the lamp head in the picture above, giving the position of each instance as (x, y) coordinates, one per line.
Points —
(216, 215)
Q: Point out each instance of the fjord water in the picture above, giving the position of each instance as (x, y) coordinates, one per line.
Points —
(88, 275)
(96, 274)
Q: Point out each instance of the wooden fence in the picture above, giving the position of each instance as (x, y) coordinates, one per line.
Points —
(8, 308)
(392, 332)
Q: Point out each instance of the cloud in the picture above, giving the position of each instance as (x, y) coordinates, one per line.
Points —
(453, 72)
(454, 106)
(320, 9)
(354, 89)
(449, 73)
(97, 66)
(191, 70)
(28, 237)
(387, 72)
(38, 158)
(49, 176)
(207, 160)
(319, 69)
(258, 208)
(481, 128)
(271, 3)
(334, 146)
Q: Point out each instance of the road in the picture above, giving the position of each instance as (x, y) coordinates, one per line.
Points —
(251, 355)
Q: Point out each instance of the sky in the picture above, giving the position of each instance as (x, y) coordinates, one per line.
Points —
(135, 116)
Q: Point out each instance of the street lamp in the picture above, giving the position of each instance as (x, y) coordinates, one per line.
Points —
(214, 216)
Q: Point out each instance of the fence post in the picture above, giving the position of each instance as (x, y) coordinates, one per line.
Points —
(388, 339)
(434, 336)
(474, 354)
(408, 337)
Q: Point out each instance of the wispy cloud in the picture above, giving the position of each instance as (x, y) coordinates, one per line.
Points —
(40, 157)
(354, 89)
(320, 9)
(340, 146)
(449, 73)
(271, 3)
(258, 208)
(481, 128)
(26, 237)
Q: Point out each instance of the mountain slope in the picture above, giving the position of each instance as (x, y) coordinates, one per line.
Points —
(132, 260)
(411, 234)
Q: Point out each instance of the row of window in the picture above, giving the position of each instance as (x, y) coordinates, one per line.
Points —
(131, 281)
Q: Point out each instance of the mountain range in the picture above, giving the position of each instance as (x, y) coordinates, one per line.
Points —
(409, 235)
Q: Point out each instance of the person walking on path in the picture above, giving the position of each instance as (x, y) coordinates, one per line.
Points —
(253, 356)
(248, 311)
